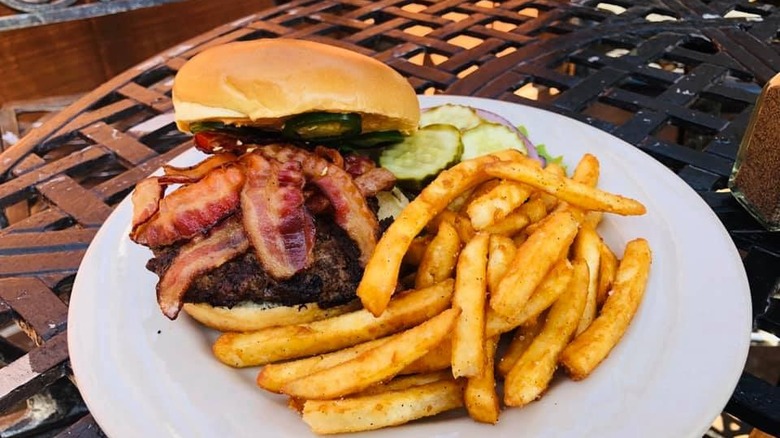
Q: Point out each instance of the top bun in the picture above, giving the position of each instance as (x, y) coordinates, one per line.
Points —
(262, 82)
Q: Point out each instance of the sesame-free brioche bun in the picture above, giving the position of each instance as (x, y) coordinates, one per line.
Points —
(262, 82)
(248, 316)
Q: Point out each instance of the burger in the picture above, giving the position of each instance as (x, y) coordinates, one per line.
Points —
(276, 224)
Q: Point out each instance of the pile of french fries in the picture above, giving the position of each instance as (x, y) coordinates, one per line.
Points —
(495, 246)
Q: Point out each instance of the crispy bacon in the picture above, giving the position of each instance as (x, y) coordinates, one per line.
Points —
(223, 243)
(188, 175)
(351, 212)
(374, 181)
(357, 165)
(331, 155)
(193, 209)
(216, 142)
(369, 184)
(146, 200)
(277, 223)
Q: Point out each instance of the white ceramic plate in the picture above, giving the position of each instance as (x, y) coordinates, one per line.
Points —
(142, 375)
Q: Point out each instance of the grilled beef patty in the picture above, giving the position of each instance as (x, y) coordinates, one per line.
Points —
(331, 280)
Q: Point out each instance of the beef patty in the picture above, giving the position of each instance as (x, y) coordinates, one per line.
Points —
(331, 280)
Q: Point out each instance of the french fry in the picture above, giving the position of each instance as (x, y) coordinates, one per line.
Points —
(439, 260)
(501, 251)
(593, 345)
(273, 377)
(554, 284)
(406, 382)
(381, 272)
(573, 192)
(497, 203)
(607, 270)
(520, 342)
(592, 219)
(527, 214)
(439, 358)
(531, 375)
(357, 414)
(375, 365)
(469, 297)
(480, 394)
(549, 201)
(520, 238)
(533, 260)
(587, 246)
(416, 250)
(587, 171)
(294, 341)
(476, 192)
(461, 223)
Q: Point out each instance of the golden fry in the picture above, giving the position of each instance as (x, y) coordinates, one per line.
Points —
(607, 271)
(593, 345)
(406, 382)
(501, 252)
(533, 260)
(469, 297)
(554, 284)
(273, 377)
(294, 341)
(416, 250)
(375, 365)
(587, 246)
(439, 260)
(497, 203)
(381, 272)
(587, 170)
(521, 340)
(549, 201)
(575, 193)
(531, 375)
(439, 358)
(372, 412)
(480, 394)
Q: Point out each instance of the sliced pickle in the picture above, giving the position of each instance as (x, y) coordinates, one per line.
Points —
(420, 157)
(487, 138)
(461, 116)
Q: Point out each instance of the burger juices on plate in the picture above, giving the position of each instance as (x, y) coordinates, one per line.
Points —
(277, 224)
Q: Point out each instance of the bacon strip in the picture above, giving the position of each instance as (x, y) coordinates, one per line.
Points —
(369, 184)
(278, 225)
(351, 212)
(188, 175)
(374, 181)
(146, 200)
(193, 209)
(223, 243)
(331, 155)
(357, 165)
(215, 142)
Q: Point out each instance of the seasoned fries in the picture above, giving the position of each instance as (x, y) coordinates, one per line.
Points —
(492, 245)
(375, 365)
(470, 296)
(575, 193)
(534, 259)
(588, 349)
(607, 271)
(380, 276)
(480, 393)
(587, 247)
(382, 410)
(439, 258)
(293, 341)
(554, 284)
(530, 376)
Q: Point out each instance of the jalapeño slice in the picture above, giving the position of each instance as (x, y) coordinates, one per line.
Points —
(320, 126)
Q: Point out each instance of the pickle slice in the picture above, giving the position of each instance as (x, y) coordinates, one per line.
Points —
(420, 157)
(487, 138)
(461, 116)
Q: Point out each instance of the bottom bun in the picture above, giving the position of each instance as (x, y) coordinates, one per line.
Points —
(249, 316)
